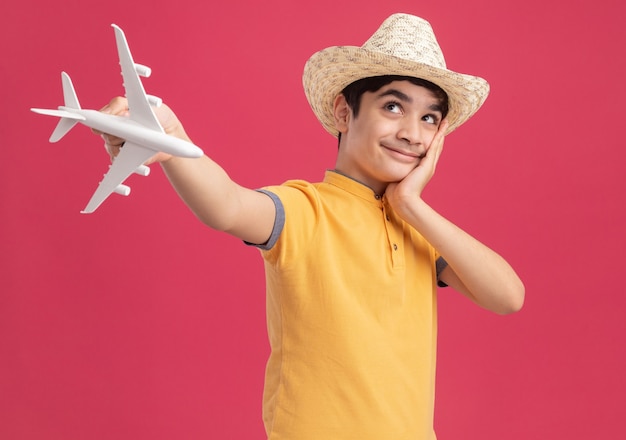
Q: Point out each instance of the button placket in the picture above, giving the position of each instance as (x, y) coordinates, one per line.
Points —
(394, 237)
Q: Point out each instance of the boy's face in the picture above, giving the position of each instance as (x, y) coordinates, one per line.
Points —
(390, 135)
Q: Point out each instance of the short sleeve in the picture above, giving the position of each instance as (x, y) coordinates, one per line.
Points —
(279, 222)
(440, 264)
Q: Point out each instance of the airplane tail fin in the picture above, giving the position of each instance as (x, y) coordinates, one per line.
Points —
(69, 94)
(68, 120)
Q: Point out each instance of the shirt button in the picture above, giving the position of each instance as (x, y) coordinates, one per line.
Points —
(387, 217)
(395, 247)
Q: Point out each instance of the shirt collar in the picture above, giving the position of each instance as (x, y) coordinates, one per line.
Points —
(353, 186)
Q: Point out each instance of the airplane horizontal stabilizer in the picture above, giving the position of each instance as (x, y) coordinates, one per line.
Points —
(68, 120)
(62, 128)
(59, 113)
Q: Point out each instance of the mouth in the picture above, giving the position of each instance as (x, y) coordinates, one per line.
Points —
(403, 154)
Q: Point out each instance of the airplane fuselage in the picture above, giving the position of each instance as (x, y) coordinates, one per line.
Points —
(132, 131)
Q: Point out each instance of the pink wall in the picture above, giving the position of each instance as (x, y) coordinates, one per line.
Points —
(136, 322)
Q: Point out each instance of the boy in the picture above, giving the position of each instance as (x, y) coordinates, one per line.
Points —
(352, 263)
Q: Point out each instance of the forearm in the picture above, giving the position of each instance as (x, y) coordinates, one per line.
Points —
(479, 272)
(218, 201)
(203, 185)
(205, 188)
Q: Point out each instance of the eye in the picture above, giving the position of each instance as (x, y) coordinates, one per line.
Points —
(393, 107)
(431, 119)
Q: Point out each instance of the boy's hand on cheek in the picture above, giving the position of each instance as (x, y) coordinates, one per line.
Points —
(409, 189)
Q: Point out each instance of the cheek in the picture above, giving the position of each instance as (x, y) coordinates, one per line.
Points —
(430, 136)
(361, 130)
(428, 141)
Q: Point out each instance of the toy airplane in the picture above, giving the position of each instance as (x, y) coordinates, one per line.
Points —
(142, 131)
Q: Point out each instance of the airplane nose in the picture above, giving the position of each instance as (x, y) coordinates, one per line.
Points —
(187, 149)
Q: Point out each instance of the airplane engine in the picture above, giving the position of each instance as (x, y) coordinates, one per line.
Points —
(142, 70)
(154, 100)
(142, 170)
(122, 190)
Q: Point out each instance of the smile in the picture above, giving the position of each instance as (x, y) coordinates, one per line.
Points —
(408, 156)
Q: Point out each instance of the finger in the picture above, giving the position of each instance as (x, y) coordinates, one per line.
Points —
(443, 127)
(441, 132)
(112, 144)
(436, 145)
(112, 140)
(112, 151)
(117, 106)
(108, 138)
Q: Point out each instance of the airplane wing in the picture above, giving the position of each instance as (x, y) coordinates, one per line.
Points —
(131, 157)
(138, 104)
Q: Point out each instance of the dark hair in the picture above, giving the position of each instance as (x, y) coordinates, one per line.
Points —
(353, 91)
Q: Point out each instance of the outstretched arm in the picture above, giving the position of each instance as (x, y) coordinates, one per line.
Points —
(204, 186)
(473, 269)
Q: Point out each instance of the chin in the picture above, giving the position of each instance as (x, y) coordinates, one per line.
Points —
(395, 176)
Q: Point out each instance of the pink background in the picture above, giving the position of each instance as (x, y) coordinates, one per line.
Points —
(137, 322)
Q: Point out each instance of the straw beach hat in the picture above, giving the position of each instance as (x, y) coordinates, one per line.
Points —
(403, 45)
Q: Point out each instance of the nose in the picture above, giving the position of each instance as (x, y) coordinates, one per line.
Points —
(411, 132)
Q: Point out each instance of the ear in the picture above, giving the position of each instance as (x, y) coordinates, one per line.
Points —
(342, 113)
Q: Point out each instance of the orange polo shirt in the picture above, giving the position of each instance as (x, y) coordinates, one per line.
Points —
(351, 314)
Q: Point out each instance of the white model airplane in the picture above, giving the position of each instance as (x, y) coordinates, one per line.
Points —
(143, 134)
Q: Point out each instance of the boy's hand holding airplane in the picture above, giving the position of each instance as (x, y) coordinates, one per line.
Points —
(167, 118)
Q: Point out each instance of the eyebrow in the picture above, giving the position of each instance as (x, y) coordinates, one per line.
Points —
(398, 94)
(406, 98)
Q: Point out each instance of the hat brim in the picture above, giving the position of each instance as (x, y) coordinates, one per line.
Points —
(330, 70)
